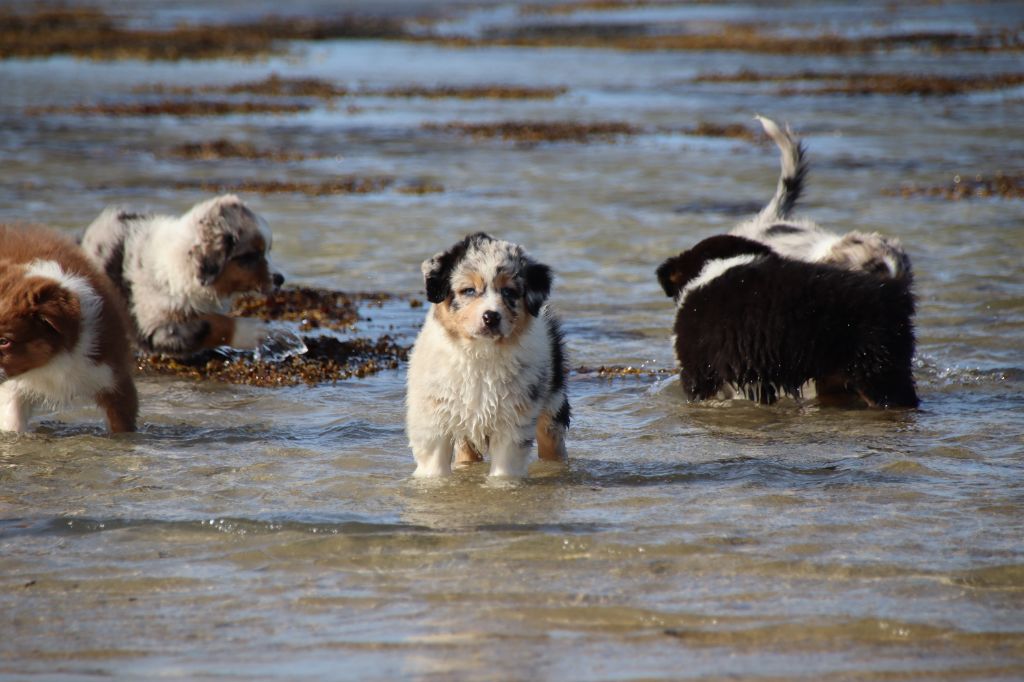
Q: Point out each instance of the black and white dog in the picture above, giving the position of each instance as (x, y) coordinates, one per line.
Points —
(805, 240)
(751, 321)
(488, 371)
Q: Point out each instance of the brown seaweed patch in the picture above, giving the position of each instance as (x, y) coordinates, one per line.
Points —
(89, 32)
(740, 38)
(736, 131)
(326, 360)
(620, 372)
(174, 108)
(492, 91)
(349, 184)
(280, 86)
(873, 83)
(863, 83)
(311, 308)
(209, 150)
(592, 6)
(1000, 185)
(904, 84)
(533, 132)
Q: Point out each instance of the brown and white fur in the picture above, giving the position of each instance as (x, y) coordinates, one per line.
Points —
(177, 274)
(488, 371)
(807, 241)
(63, 332)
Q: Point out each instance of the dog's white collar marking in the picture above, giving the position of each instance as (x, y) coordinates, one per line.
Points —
(711, 270)
(70, 374)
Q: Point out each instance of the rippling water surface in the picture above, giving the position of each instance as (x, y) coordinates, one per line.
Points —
(250, 533)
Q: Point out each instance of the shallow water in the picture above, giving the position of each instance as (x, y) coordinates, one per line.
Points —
(250, 533)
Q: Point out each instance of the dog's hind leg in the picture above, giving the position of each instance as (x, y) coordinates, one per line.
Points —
(121, 405)
(551, 435)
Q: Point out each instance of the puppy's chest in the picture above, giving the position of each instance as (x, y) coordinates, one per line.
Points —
(479, 381)
(478, 395)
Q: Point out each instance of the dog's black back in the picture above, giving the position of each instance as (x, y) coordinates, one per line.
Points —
(771, 325)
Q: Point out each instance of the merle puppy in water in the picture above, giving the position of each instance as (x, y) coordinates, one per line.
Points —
(178, 273)
(488, 372)
(751, 321)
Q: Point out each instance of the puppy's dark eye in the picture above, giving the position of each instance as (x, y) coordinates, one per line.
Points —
(468, 292)
(4, 343)
(510, 293)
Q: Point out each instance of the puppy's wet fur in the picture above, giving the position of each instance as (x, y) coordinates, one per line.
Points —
(758, 324)
(805, 240)
(178, 273)
(487, 374)
(63, 332)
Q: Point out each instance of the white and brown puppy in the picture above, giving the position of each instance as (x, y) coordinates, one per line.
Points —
(488, 371)
(807, 241)
(753, 322)
(177, 274)
(63, 332)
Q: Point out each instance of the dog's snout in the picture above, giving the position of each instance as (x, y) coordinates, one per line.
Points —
(278, 279)
(492, 318)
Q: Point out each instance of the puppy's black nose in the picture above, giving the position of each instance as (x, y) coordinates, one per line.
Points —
(278, 279)
(492, 318)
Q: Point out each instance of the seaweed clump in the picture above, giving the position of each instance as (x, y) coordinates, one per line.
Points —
(591, 6)
(854, 84)
(738, 38)
(279, 86)
(276, 85)
(311, 308)
(175, 108)
(326, 360)
(89, 32)
(221, 148)
(510, 92)
(534, 132)
(1000, 186)
(349, 184)
(736, 131)
(620, 372)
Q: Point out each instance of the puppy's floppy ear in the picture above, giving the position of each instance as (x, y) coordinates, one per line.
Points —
(437, 271)
(537, 279)
(58, 309)
(672, 275)
(217, 224)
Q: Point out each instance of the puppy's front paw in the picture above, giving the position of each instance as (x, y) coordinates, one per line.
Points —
(249, 333)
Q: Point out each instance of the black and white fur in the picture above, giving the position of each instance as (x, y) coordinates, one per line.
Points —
(488, 371)
(807, 241)
(178, 273)
(763, 325)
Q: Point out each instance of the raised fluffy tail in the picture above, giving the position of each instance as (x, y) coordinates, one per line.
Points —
(794, 170)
